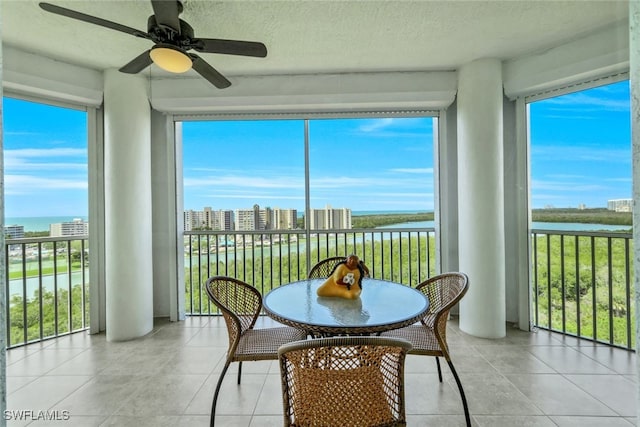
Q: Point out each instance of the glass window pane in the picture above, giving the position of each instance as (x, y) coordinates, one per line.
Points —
(233, 165)
(372, 166)
(581, 148)
(45, 155)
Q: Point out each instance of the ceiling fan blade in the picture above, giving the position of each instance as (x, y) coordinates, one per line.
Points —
(166, 13)
(209, 73)
(92, 20)
(230, 47)
(138, 64)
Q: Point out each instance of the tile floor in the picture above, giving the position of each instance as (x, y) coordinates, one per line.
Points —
(167, 379)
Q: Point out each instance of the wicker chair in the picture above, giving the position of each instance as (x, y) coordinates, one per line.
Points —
(344, 381)
(241, 304)
(324, 268)
(430, 337)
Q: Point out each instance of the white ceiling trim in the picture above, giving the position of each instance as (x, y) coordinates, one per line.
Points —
(35, 75)
(603, 53)
(308, 93)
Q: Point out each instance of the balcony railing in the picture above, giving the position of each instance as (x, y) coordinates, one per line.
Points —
(582, 285)
(268, 259)
(47, 288)
(47, 284)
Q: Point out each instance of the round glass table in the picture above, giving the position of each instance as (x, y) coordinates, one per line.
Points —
(382, 306)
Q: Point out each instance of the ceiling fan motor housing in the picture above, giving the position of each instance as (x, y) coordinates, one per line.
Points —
(164, 34)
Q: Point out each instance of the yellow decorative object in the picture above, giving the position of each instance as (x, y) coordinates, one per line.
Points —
(345, 281)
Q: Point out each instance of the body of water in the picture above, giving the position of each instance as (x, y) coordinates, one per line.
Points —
(39, 223)
(564, 226)
(42, 223)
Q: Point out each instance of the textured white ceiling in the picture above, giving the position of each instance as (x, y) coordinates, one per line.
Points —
(308, 37)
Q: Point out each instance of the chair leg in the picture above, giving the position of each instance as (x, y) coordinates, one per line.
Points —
(239, 371)
(439, 370)
(212, 420)
(462, 396)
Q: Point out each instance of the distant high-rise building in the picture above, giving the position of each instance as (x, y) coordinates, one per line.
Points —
(620, 205)
(254, 219)
(285, 219)
(14, 231)
(330, 219)
(77, 227)
(265, 219)
(208, 219)
(245, 219)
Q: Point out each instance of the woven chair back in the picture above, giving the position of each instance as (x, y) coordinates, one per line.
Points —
(444, 291)
(322, 269)
(344, 381)
(237, 300)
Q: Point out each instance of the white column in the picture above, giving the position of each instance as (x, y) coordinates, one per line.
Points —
(128, 225)
(634, 80)
(3, 269)
(481, 198)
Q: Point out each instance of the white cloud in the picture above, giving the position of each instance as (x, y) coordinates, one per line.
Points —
(375, 125)
(28, 184)
(245, 181)
(15, 164)
(575, 153)
(31, 159)
(413, 170)
(45, 152)
(565, 186)
(270, 196)
(580, 101)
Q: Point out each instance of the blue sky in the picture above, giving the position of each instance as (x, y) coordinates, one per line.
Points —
(580, 154)
(362, 164)
(581, 148)
(45, 160)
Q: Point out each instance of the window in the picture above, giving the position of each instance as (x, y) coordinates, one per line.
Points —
(364, 166)
(581, 148)
(45, 156)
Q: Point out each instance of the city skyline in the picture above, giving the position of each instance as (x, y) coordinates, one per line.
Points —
(580, 155)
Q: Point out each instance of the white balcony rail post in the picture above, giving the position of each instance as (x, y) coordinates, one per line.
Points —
(634, 81)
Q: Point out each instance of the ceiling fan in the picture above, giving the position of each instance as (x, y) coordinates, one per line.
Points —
(172, 38)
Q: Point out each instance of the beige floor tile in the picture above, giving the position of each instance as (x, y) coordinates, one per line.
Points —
(620, 361)
(16, 383)
(72, 421)
(556, 395)
(513, 359)
(567, 360)
(47, 392)
(424, 395)
(266, 421)
(511, 421)
(162, 394)
(103, 394)
(615, 391)
(438, 420)
(233, 399)
(43, 361)
(270, 401)
(194, 360)
(493, 394)
(168, 378)
(578, 421)
(151, 421)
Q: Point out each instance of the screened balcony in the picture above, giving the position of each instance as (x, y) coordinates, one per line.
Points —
(475, 66)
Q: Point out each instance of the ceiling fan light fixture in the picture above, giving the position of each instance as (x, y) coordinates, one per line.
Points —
(170, 58)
